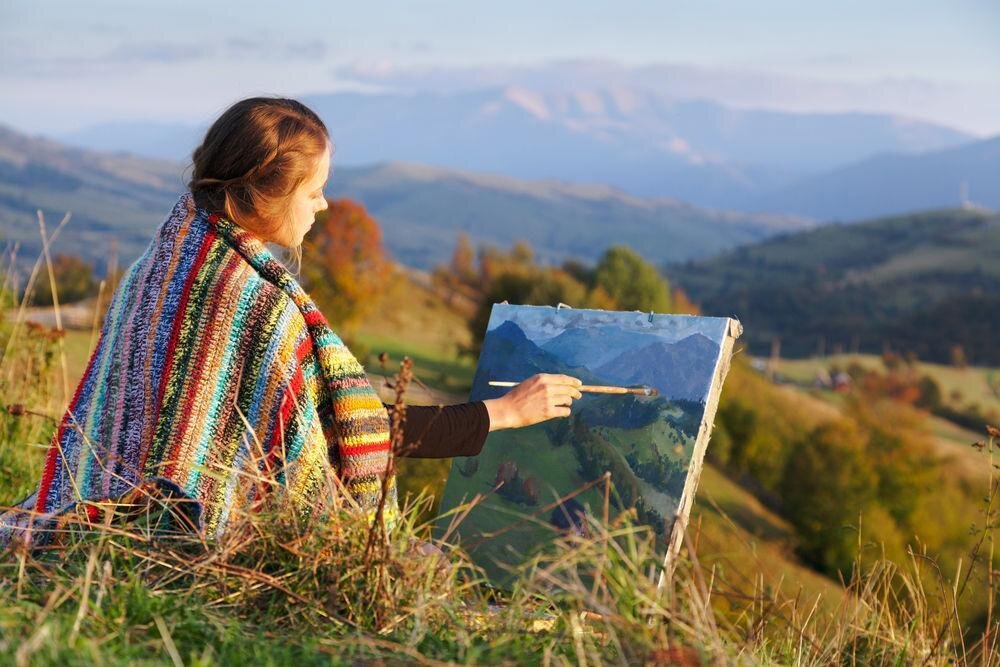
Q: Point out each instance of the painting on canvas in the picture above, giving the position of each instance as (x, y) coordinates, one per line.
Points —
(652, 445)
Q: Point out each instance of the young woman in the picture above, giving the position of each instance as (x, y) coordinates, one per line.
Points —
(217, 381)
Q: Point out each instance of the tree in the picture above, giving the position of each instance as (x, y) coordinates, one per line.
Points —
(827, 484)
(463, 261)
(348, 267)
(631, 281)
(74, 280)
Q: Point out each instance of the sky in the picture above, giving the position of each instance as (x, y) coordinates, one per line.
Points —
(68, 65)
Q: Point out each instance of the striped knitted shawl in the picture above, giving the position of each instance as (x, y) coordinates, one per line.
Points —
(214, 370)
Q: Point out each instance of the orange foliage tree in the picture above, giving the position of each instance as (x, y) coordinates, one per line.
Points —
(345, 266)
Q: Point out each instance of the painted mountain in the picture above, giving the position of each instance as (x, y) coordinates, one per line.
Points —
(513, 357)
(647, 443)
(681, 370)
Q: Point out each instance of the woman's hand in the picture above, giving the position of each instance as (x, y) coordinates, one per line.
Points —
(540, 397)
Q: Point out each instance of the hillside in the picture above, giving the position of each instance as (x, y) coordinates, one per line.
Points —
(109, 195)
(894, 183)
(737, 535)
(421, 209)
(921, 283)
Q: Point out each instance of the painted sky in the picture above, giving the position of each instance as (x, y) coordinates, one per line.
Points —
(66, 65)
(543, 323)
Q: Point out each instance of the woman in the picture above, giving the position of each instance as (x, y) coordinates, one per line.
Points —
(217, 381)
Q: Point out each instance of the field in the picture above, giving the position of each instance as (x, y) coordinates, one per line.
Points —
(960, 387)
(745, 552)
(725, 515)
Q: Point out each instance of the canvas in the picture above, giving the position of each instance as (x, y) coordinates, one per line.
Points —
(653, 446)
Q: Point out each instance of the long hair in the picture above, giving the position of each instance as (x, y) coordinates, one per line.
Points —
(252, 159)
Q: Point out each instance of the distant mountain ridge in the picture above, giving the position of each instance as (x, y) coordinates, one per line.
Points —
(638, 139)
(421, 209)
(108, 194)
(893, 183)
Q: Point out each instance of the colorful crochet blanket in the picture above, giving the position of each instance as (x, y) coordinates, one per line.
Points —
(216, 377)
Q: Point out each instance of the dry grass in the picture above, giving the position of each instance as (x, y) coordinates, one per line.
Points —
(279, 588)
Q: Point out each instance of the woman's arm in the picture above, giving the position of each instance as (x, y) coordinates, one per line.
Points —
(443, 431)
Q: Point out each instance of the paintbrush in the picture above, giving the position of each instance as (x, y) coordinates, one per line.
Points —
(596, 388)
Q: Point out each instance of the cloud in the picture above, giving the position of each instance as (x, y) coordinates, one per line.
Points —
(244, 47)
(157, 52)
(130, 53)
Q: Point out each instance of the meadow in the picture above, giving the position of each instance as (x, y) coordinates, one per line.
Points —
(275, 592)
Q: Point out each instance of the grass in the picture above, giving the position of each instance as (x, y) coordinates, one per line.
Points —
(275, 591)
(959, 386)
(411, 319)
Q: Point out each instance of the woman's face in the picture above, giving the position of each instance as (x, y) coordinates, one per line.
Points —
(307, 200)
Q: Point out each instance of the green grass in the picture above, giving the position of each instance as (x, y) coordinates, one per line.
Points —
(412, 320)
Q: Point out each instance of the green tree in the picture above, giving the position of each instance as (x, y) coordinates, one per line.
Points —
(827, 485)
(525, 284)
(74, 280)
(632, 282)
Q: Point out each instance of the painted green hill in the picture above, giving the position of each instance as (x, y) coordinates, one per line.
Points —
(922, 283)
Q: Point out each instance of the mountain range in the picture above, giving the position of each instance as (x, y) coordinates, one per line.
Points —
(420, 209)
(892, 183)
(680, 370)
(641, 141)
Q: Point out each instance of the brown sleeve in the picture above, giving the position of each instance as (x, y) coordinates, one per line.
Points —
(444, 431)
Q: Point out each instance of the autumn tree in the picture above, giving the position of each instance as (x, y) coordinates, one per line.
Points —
(348, 266)
(463, 260)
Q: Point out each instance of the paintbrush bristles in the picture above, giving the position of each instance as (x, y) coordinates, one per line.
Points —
(595, 388)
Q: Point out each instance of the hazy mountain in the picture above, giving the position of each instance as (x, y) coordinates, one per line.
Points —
(923, 283)
(108, 194)
(165, 141)
(421, 209)
(639, 140)
(895, 183)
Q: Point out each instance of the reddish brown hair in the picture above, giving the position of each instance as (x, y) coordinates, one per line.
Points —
(252, 159)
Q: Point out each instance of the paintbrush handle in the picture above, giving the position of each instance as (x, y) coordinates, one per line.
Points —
(591, 388)
(605, 389)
